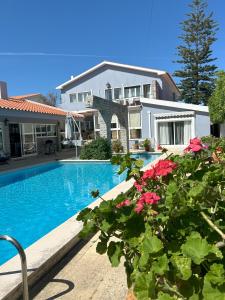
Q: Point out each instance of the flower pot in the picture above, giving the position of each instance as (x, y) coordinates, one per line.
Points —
(130, 295)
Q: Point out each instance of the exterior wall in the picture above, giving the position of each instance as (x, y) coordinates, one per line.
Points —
(202, 120)
(13, 116)
(117, 77)
(222, 130)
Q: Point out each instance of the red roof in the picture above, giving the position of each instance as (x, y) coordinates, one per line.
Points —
(31, 106)
(24, 96)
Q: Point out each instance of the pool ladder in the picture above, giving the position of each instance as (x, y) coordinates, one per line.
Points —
(23, 263)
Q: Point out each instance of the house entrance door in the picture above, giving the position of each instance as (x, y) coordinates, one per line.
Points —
(15, 140)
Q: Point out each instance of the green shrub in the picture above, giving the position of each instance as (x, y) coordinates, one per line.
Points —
(117, 146)
(169, 228)
(97, 149)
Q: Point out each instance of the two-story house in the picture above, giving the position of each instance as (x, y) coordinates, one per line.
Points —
(152, 99)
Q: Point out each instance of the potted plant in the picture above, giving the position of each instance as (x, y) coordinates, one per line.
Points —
(168, 227)
(117, 146)
(147, 144)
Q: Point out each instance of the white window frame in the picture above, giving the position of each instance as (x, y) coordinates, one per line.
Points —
(130, 87)
(139, 127)
(73, 94)
(22, 140)
(180, 118)
(121, 88)
(45, 136)
(117, 128)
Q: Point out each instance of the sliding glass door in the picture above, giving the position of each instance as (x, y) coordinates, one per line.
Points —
(29, 139)
(174, 133)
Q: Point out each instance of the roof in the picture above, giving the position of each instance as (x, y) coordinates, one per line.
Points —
(109, 63)
(31, 106)
(24, 96)
(174, 104)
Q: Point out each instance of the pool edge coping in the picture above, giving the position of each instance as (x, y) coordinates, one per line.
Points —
(48, 250)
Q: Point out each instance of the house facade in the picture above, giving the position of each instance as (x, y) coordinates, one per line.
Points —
(28, 127)
(151, 97)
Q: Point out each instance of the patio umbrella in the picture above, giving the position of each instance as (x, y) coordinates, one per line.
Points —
(68, 128)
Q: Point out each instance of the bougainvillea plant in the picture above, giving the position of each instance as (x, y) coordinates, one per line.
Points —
(168, 229)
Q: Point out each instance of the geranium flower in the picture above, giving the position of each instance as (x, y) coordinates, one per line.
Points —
(149, 174)
(195, 146)
(138, 186)
(147, 198)
(126, 202)
(164, 167)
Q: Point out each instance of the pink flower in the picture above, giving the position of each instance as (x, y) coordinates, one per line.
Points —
(149, 174)
(126, 202)
(164, 167)
(146, 198)
(139, 207)
(195, 146)
(138, 186)
(196, 141)
(159, 147)
(149, 198)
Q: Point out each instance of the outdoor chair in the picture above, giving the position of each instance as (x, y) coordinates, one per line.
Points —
(4, 157)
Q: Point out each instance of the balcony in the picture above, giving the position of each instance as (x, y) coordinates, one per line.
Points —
(133, 101)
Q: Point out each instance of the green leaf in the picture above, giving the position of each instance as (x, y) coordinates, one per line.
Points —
(211, 291)
(84, 214)
(160, 266)
(144, 287)
(88, 228)
(196, 248)
(216, 275)
(101, 247)
(105, 207)
(105, 226)
(115, 251)
(152, 244)
(139, 163)
(164, 296)
(182, 265)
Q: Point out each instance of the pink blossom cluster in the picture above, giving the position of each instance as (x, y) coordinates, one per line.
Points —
(146, 198)
(195, 146)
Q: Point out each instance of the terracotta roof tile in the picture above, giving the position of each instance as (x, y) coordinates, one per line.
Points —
(24, 96)
(31, 106)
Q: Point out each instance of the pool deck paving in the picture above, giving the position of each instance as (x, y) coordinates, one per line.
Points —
(83, 275)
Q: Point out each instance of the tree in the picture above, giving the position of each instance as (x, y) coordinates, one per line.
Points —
(195, 55)
(217, 100)
(50, 99)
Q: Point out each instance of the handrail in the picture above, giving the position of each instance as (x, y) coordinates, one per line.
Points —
(23, 263)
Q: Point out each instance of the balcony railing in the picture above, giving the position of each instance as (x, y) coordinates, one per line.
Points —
(128, 101)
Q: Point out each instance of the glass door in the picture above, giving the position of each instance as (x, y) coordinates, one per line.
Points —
(15, 140)
(29, 139)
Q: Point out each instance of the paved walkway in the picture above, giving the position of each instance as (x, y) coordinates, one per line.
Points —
(83, 275)
(37, 159)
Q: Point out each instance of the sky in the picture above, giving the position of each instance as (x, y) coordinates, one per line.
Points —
(44, 42)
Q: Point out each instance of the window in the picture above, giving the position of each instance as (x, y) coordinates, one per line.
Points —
(133, 91)
(43, 130)
(29, 140)
(1, 139)
(117, 93)
(174, 133)
(108, 94)
(81, 97)
(146, 91)
(73, 98)
(115, 128)
(135, 124)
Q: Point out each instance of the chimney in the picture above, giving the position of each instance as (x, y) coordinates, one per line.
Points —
(3, 90)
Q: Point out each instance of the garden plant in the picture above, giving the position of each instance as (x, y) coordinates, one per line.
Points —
(169, 229)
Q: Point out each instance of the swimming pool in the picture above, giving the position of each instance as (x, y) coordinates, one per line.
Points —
(36, 200)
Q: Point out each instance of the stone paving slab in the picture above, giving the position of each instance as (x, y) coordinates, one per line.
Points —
(84, 276)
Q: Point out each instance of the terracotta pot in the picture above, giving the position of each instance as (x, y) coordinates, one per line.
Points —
(130, 295)
(215, 157)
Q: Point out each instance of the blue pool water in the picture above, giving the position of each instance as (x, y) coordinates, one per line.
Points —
(33, 201)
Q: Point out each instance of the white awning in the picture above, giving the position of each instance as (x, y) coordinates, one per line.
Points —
(178, 114)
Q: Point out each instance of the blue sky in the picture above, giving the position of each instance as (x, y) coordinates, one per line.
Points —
(43, 42)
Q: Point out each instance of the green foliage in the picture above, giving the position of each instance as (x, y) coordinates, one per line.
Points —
(117, 146)
(147, 144)
(97, 149)
(195, 54)
(217, 100)
(173, 249)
